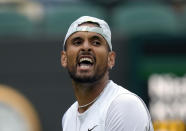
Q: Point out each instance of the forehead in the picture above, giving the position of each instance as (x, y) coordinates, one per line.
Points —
(86, 34)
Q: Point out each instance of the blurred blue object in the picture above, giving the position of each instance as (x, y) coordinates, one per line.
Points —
(58, 18)
(13, 23)
(134, 20)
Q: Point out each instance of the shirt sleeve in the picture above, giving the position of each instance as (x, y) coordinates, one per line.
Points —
(128, 113)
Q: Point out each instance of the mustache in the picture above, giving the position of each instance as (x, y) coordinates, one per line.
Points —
(86, 53)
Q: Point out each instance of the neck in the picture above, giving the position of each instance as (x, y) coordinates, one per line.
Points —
(88, 92)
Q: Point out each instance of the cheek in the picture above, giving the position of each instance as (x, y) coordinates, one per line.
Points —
(71, 59)
(102, 59)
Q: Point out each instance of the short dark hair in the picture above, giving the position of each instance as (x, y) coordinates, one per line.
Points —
(90, 22)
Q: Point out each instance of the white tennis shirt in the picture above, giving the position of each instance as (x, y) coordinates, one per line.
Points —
(116, 109)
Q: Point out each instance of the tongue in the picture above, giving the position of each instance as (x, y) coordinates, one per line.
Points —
(85, 66)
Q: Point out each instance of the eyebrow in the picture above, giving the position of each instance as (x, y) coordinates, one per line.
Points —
(76, 38)
(96, 37)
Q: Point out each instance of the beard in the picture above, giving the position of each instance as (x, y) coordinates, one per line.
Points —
(88, 79)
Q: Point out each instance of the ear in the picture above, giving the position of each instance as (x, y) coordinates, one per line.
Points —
(63, 59)
(111, 59)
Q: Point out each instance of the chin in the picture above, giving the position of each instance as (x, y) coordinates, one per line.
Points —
(84, 79)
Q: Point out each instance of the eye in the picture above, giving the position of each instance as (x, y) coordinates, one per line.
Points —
(96, 42)
(77, 42)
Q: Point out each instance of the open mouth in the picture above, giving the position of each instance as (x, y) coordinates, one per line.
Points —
(85, 62)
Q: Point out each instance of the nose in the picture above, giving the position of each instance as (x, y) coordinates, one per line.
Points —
(86, 46)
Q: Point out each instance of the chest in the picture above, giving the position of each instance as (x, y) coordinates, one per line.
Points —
(91, 121)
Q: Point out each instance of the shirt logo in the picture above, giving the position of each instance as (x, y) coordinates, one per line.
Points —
(92, 128)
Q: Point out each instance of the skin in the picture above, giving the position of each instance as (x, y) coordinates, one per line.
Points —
(94, 46)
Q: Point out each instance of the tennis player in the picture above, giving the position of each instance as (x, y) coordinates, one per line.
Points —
(101, 104)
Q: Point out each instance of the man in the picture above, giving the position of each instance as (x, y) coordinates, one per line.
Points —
(101, 104)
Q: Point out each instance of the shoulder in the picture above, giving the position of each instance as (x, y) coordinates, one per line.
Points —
(126, 99)
(128, 112)
(129, 102)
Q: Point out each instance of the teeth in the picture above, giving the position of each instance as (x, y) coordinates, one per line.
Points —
(86, 59)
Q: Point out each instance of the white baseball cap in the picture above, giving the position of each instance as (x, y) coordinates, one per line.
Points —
(103, 28)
